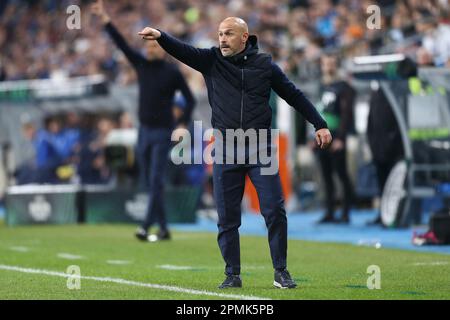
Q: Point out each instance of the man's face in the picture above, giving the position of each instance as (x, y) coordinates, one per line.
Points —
(232, 38)
(29, 131)
(54, 126)
(154, 50)
(328, 64)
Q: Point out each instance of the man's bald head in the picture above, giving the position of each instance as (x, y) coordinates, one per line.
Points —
(236, 23)
(233, 35)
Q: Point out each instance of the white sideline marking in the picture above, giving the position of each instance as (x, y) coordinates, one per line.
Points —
(132, 283)
(172, 267)
(434, 263)
(69, 256)
(118, 262)
(19, 249)
(177, 268)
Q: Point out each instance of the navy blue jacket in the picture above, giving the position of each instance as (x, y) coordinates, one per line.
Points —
(158, 82)
(239, 86)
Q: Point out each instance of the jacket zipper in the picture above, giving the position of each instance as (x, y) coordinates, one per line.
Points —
(242, 97)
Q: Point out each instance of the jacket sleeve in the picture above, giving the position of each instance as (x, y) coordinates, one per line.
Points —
(294, 97)
(198, 59)
(132, 55)
(188, 96)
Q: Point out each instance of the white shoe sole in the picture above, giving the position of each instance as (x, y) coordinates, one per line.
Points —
(278, 285)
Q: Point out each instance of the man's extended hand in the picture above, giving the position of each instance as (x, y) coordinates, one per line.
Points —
(149, 34)
(323, 138)
(98, 9)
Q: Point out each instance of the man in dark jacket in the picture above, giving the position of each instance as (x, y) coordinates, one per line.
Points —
(239, 81)
(158, 82)
(384, 139)
(336, 106)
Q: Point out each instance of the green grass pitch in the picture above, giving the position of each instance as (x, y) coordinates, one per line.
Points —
(190, 267)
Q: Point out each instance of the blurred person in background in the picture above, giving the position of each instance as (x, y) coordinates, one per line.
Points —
(47, 157)
(92, 167)
(436, 36)
(67, 138)
(336, 106)
(125, 120)
(384, 139)
(158, 82)
(189, 174)
(383, 131)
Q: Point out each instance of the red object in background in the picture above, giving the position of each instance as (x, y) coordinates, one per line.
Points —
(285, 177)
(426, 238)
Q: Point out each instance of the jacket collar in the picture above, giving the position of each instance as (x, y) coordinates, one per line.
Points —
(251, 48)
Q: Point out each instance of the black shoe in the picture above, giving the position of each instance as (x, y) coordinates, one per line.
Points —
(231, 281)
(328, 219)
(164, 235)
(141, 234)
(283, 280)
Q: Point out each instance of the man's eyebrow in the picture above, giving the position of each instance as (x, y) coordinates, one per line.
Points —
(226, 30)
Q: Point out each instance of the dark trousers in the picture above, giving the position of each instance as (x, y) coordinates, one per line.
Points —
(229, 183)
(331, 162)
(153, 150)
(383, 170)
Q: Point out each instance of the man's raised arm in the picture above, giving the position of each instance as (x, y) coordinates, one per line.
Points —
(133, 56)
(199, 59)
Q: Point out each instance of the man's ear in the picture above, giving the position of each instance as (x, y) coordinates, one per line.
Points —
(244, 37)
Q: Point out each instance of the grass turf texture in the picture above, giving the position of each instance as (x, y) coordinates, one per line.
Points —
(322, 270)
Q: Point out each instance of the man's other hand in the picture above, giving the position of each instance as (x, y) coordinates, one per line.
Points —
(323, 138)
(98, 9)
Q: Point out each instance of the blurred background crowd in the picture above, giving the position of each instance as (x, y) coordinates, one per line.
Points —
(68, 140)
(295, 32)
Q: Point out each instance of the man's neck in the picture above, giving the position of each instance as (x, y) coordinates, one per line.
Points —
(329, 78)
(241, 51)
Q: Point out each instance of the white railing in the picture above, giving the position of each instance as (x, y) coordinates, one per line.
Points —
(54, 88)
